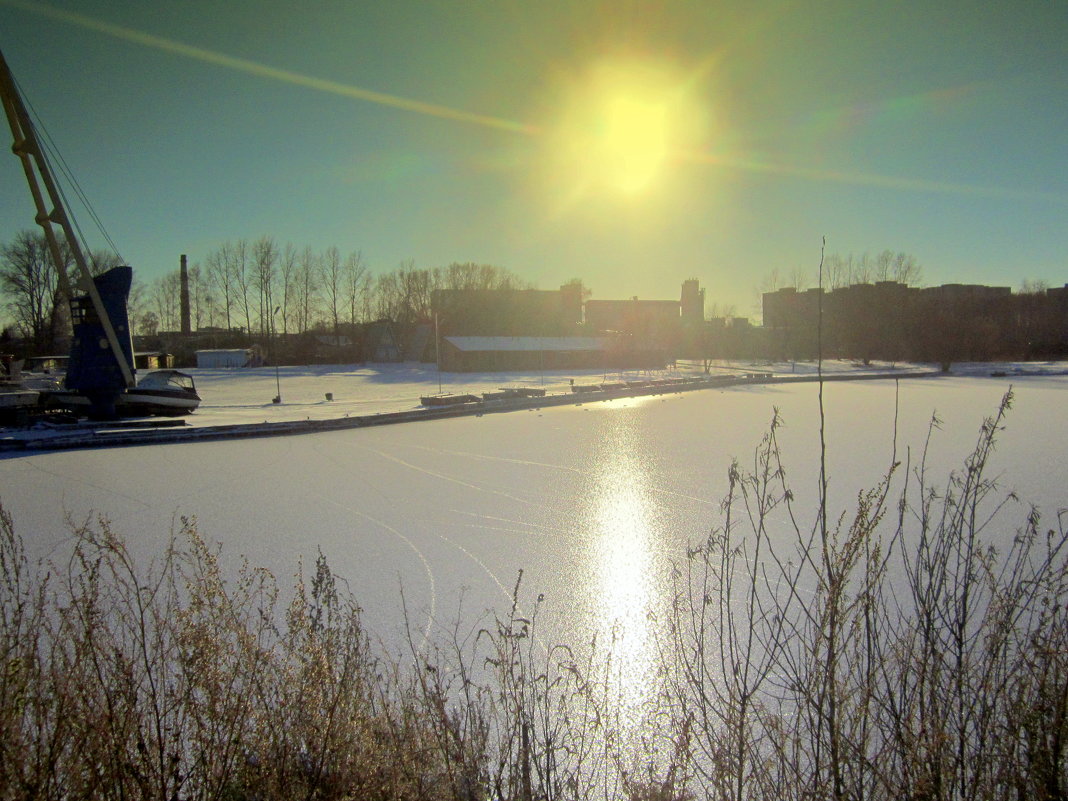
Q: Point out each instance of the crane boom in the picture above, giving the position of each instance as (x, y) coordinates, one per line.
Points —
(27, 147)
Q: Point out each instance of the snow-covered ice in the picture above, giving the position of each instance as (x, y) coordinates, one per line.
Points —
(592, 502)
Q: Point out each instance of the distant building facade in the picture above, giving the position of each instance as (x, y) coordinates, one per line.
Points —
(655, 322)
(640, 332)
(502, 353)
(507, 312)
(228, 358)
(534, 354)
(891, 321)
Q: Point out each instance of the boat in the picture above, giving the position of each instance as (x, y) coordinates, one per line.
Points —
(167, 393)
(16, 402)
(512, 393)
(448, 400)
(20, 392)
(161, 392)
(502, 394)
(95, 383)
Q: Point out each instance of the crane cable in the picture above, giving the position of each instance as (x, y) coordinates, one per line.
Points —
(56, 157)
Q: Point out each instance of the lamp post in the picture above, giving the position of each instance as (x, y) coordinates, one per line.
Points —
(274, 354)
(437, 349)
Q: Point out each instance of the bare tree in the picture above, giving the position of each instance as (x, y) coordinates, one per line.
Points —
(772, 281)
(236, 258)
(469, 276)
(907, 270)
(387, 296)
(139, 302)
(798, 278)
(841, 271)
(863, 269)
(146, 323)
(165, 297)
(219, 277)
(837, 271)
(900, 267)
(332, 275)
(100, 261)
(356, 279)
(265, 258)
(305, 287)
(200, 300)
(1034, 286)
(724, 310)
(229, 275)
(416, 287)
(287, 275)
(30, 281)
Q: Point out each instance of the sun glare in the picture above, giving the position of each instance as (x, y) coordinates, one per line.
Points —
(623, 551)
(632, 144)
(620, 127)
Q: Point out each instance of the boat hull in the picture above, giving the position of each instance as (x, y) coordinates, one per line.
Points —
(448, 400)
(165, 392)
(130, 403)
(137, 402)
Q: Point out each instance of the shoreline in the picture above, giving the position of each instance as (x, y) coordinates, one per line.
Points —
(141, 432)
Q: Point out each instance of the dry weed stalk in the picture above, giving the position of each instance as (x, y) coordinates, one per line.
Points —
(924, 663)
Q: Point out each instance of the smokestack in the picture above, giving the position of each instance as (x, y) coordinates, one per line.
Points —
(185, 298)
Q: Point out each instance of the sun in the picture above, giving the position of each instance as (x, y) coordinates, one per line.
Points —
(630, 145)
(620, 128)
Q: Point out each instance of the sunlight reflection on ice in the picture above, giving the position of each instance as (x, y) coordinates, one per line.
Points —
(624, 549)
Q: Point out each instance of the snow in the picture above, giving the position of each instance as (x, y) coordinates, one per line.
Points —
(593, 502)
(233, 397)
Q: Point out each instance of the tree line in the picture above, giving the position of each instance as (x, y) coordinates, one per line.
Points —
(256, 287)
(30, 288)
(843, 270)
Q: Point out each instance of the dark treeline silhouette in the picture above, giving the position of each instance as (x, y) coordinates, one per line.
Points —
(300, 305)
(32, 294)
(296, 304)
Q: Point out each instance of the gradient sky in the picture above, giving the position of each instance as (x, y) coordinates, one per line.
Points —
(455, 131)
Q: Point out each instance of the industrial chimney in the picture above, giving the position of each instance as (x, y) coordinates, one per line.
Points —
(186, 330)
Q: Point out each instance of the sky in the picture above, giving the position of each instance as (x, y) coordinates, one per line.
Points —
(630, 144)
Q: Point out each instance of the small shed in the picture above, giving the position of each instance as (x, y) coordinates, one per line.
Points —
(227, 358)
(380, 342)
(153, 360)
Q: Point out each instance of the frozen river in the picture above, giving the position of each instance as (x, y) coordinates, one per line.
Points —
(594, 503)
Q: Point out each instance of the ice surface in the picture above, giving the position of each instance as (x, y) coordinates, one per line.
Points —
(594, 503)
